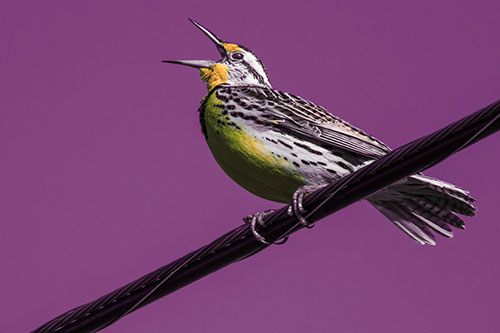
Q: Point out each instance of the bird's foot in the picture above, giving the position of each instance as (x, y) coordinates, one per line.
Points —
(296, 207)
(258, 218)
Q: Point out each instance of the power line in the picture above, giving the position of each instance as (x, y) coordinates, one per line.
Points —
(240, 243)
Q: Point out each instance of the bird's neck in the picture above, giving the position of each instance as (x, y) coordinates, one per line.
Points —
(214, 75)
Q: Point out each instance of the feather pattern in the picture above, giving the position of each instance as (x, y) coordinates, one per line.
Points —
(322, 148)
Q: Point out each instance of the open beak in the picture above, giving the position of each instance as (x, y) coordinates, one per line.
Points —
(202, 63)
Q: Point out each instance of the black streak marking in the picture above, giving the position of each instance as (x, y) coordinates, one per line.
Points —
(309, 149)
(344, 166)
(250, 117)
(222, 98)
(285, 144)
(236, 114)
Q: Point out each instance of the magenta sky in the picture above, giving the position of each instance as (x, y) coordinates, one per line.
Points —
(105, 176)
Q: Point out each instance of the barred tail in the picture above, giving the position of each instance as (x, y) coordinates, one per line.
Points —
(421, 204)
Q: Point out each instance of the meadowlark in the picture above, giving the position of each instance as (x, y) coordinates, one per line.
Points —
(280, 147)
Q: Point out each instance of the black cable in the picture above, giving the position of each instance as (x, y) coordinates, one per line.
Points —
(240, 243)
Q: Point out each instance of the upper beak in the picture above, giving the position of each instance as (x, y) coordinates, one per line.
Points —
(202, 63)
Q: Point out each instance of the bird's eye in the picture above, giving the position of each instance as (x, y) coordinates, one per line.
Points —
(237, 56)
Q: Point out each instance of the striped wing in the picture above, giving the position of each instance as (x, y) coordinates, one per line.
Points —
(311, 123)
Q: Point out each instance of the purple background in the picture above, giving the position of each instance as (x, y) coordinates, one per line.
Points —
(102, 162)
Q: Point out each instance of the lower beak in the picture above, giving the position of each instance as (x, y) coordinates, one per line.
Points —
(191, 63)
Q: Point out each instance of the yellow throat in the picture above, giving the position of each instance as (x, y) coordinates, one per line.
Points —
(214, 75)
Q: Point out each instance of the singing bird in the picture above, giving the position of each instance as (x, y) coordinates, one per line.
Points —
(280, 147)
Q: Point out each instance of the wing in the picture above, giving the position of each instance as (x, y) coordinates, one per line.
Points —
(307, 121)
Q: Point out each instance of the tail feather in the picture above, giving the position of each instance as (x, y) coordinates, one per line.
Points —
(404, 219)
(436, 222)
(457, 199)
(450, 203)
(421, 204)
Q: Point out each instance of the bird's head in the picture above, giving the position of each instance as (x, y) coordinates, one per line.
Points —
(238, 66)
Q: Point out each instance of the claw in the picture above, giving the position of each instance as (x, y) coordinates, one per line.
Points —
(297, 208)
(258, 218)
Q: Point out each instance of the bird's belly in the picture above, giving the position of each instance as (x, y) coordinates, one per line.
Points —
(248, 162)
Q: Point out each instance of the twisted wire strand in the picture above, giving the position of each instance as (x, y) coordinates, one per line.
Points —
(239, 243)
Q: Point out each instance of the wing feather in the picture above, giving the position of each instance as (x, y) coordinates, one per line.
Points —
(307, 121)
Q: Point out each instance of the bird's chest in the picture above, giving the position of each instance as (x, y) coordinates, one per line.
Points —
(239, 150)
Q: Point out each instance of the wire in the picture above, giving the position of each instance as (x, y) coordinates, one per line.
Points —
(239, 243)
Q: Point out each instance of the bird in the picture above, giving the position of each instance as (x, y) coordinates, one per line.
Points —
(282, 147)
